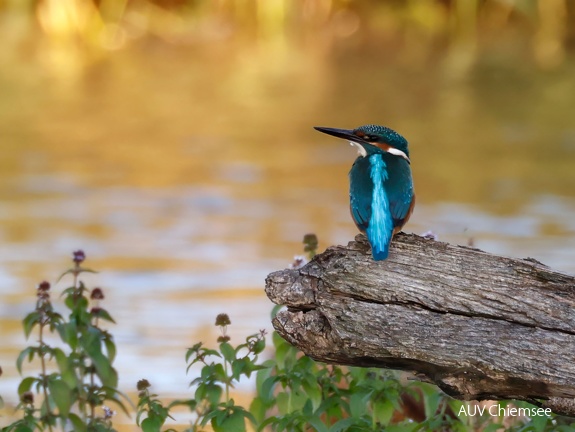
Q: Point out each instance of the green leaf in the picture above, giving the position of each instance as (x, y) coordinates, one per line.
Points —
(76, 303)
(317, 424)
(219, 373)
(152, 423)
(213, 393)
(190, 403)
(90, 341)
(493, 427)
(265, 383)
(259, 346)
(61, 360)
(248, 415)
(61, 394)
(228, 351)
(79, 425)
(283, 403)
(307, 409)
(67, 372)
(258, 409)
(75, 270)
(110, 346)
(28, 323)
(538, 423)
(342, 425)
(432, 400)
(26, 384)
(313, 391)
(23, 428)
(282, 350)
(69, 333)
(193, 351)
(238, 366)
(383, 411)
(268, 421)
(113, 395)
(140, 413)
(234, 422)
(406, 427)
(26, 352)
(358, 403)
(103, 314)
(209, 416)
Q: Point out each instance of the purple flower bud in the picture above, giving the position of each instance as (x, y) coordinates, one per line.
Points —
(27, 398)
(97, 294)
(78, 256)
(223, 320)
(143, 384)
(95, 311)
(44, 286)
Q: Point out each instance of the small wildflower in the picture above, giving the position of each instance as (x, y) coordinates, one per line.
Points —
(78, 256)
(430, 235)
(298, 262)
(97, 294)
(27, 398)
(222, 339)
(108, 413)
(223, 320)
(44, 286)
(95, 310)
(143, 384)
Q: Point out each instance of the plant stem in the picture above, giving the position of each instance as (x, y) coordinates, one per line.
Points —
(82, 395)
(45, 376)
(91, 401)
(227, 381)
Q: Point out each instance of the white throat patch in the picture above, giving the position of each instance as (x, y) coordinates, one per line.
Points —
(360, 150)
(394, 151)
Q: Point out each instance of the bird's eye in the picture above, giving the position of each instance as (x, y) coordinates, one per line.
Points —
(369, 138)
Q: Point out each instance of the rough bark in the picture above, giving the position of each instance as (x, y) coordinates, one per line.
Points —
(480, 326)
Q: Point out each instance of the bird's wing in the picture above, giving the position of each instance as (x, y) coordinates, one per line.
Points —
(399, 189)
(360, 193)
(401, 209)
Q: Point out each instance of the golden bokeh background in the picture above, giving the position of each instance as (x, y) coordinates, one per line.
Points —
(173, 142)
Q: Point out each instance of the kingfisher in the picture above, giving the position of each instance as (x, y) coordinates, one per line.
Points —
(381, 196)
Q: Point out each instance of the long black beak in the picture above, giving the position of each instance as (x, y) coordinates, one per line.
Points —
(346, 134)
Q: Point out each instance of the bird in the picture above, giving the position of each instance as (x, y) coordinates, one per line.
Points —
(381, 194)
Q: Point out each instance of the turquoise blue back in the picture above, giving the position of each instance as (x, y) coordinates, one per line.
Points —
(381, 192)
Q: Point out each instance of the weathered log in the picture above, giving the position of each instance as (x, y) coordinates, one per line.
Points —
(480, 326)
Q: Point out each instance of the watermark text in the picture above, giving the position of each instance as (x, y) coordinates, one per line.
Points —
(503, 411)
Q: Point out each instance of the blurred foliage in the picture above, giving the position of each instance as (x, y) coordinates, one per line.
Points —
(114, 24)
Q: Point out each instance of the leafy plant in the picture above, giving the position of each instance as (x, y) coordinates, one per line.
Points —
(83, 378)
(293, 392)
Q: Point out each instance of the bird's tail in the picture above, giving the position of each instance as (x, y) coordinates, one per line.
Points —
(379, 255)
(380, 227)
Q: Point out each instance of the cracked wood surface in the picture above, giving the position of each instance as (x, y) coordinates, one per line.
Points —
(480, 326)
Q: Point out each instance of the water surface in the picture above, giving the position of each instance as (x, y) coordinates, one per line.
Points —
(187, 174)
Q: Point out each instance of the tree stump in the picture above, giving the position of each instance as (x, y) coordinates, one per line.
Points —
(478, 325)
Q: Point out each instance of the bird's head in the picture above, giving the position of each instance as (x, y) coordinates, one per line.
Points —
(370, 139)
